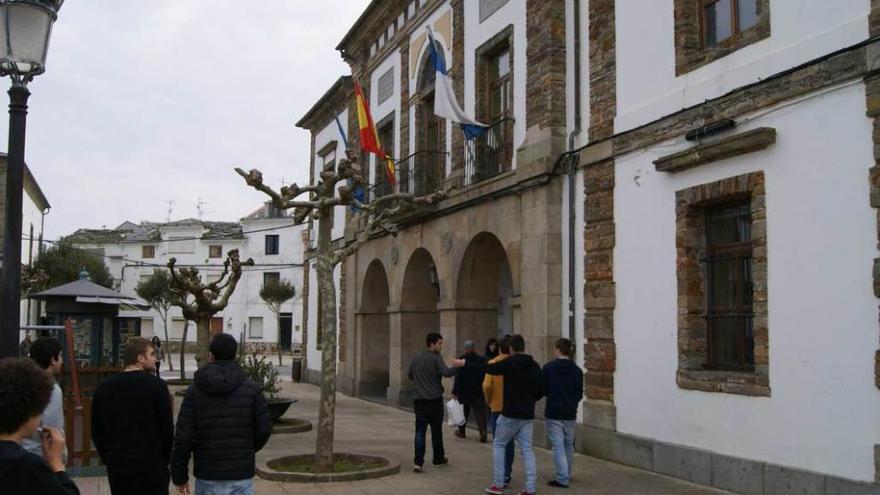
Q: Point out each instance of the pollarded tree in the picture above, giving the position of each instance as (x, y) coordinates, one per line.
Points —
(275, 293)
(200, 301)
(380, 216)
(156, 291)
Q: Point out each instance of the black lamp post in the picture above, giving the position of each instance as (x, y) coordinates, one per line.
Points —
(25, 28)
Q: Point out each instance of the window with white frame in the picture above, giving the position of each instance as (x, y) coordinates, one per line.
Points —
(255, 327)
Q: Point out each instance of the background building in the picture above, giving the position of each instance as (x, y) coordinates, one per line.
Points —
(133, 251)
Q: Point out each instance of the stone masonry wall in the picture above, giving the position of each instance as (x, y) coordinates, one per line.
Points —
(545, 74)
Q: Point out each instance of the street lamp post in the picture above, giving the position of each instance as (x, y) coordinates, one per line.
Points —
(25, 28)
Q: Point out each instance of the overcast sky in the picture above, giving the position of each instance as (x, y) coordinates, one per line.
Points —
(148, 102)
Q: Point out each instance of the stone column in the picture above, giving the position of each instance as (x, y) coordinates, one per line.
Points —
(403, 137)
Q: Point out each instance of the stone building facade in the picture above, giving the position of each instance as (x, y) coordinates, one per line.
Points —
(691, 195)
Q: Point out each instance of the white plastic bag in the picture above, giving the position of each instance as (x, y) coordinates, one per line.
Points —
(455, 413)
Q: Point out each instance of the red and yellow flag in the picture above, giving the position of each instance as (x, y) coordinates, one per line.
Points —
(369, 135)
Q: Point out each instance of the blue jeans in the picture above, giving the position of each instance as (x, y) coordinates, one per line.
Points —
(508, 451)
(508, 429)
(225, 487)
(560, 436)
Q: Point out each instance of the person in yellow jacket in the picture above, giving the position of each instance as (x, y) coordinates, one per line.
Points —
(493, 390)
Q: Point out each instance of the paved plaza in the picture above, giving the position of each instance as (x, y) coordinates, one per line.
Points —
(369, 428)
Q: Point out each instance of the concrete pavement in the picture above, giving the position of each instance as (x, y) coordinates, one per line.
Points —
(369, 428)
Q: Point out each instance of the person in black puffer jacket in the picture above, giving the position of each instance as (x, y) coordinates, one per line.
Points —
(223, 422)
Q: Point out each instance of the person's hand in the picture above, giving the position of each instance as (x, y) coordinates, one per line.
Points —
(457, 363)
(183, 489)
(53, 448)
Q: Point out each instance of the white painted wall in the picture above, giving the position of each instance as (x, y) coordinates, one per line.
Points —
(476, 33)
(582, 138)
(329, 133)
(648, 88)
(824, 410)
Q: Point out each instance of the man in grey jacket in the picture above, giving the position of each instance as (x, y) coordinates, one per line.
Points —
(426, 371)
(46, 352)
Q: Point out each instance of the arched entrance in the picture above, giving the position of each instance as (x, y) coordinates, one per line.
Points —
(418, 315)
(374, 334)
(485, 297)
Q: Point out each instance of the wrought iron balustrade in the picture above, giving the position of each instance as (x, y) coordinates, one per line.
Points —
(489, 154)
(421, 173)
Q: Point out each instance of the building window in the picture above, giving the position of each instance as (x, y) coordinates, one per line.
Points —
(215, 251)
(255, 327)
(272, 244)
(271, 278)
(492, 152)
(721, 240)
(177, 325)
(724, 18)
(729, 287)
(706, 30)
(148, 252)
(385, 129)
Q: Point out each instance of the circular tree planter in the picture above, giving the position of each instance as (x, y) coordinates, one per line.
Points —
(291, 425)
(278, 406)
(347, 467)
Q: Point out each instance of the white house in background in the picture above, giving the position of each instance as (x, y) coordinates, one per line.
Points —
(133, 251)
(35, 207)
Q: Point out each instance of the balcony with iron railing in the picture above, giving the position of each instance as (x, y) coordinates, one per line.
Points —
(489, 154)
(422, 172)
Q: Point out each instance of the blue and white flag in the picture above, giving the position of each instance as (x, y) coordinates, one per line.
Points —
(445, 104)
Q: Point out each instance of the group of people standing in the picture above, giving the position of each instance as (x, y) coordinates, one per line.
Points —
(222, 423)
(501, 388)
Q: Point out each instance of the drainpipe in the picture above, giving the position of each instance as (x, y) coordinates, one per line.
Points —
(572, 169)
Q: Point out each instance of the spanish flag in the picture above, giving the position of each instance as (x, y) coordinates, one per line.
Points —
(369, 136)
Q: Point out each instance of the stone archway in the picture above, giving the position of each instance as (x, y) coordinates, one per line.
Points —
(374, 334)
(417, 315)
(485, 300)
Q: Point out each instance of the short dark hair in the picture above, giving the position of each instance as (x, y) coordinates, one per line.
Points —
(134, 347)
(25, 390)
(432, 338)
(223, 347)
(44, 350)
(504, 345)
(563, 345)
(517, 343)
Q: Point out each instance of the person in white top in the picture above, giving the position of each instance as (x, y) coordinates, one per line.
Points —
(46, 352)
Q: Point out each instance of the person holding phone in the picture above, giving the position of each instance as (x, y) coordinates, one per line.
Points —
(25, 390)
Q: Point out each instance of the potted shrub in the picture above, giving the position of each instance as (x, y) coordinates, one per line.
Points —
(264, 374)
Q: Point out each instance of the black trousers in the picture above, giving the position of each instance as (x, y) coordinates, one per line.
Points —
(138, 480)
(429, 413)
(481, 412)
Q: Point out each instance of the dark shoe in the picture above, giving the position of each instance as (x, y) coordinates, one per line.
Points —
(556, 484)
(483, 439)
(441, 462)
(526, 493)
(417, 468)
(459, 434)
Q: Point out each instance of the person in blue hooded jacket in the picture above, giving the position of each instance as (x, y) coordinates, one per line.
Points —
(564, 388)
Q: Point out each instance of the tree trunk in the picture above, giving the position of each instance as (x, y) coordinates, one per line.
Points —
(167, 341)
(183, 350)
(327, 410)
(278, 332)
(203, 340)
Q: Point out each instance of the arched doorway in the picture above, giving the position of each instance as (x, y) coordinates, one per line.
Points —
(374, 334)
(420, 293)
(485, 297)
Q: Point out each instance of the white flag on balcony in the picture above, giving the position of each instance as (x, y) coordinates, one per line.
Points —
(445, 104)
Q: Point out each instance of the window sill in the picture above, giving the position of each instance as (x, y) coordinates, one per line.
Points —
(725, 382)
